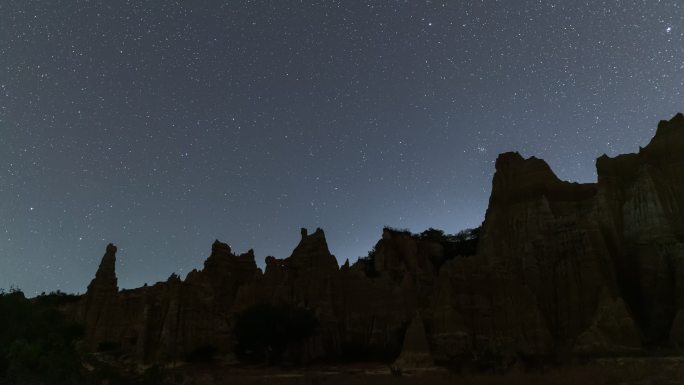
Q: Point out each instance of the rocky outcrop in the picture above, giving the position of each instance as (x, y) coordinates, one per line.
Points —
(101, 302)
(539, 232)
(415, 351)
(567, 243)
(561, 268)
(642, 203)
(169, 319)
(613, 330)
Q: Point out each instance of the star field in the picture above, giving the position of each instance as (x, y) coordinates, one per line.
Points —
(163, 125)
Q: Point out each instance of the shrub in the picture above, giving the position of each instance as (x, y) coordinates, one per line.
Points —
(369, 264)
(462, 244)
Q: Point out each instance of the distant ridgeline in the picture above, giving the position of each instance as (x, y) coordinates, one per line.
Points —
(557, 269)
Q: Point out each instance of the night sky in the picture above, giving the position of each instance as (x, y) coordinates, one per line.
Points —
(163, 125)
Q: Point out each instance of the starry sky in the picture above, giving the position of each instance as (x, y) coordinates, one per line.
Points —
(163, 125)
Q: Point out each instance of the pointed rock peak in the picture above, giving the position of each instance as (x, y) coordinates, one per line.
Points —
(220, 248)
(311, 250)
(664, 148)
(105, 277)
(111, 249)
(193, 276)
(319, 233)
(223, 262)
(316, 238)
(513, 163)
(668, 131)
(247, 258)
(518, 179)
(666, 127)
(173, 278)
(507, 158)
(107, 268)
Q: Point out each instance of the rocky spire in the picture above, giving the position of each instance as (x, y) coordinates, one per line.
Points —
(312, 252)
(105, 278)
(220, 249)
(99, 307)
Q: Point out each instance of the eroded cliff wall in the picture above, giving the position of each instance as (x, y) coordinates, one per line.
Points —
(561, 268)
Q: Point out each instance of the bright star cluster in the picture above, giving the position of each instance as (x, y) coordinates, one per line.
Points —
(163, 125)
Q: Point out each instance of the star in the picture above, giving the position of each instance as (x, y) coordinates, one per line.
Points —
(130, 131)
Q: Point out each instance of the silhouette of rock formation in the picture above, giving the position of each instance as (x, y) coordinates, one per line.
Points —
(101, 304)
(561, 268)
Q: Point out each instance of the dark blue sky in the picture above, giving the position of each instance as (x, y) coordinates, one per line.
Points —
(162, 125)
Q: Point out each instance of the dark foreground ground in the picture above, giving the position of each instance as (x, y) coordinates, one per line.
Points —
(623, 371)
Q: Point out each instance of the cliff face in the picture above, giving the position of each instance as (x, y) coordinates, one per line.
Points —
(561, 268)
(641, 197)
(590, 268)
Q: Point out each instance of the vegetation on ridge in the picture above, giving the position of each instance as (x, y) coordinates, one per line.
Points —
(37, 344)
(462, 244)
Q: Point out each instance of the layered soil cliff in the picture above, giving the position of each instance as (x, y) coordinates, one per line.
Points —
(561, 268)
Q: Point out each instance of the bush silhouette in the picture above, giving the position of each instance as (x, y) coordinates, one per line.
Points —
(369, 264)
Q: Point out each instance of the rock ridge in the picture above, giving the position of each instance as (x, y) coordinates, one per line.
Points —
(561, 269)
